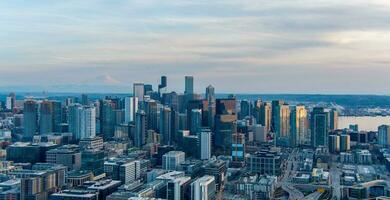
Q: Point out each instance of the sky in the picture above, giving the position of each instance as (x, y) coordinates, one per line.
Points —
(238, 46)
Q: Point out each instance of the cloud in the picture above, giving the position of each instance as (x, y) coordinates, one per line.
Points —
(249, 41)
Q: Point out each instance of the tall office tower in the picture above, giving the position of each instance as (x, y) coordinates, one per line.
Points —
(45, 118)
(319, 126)
(88, 122)
(189, 85)
(119, 115)
(183, 121)
(282, 123)
(131, 108)
(165, 125)
(383, 135)
(162, 87)
(171, 99)
(148, 89)
(57, 116)
(334, 143)
(298, 125)
(151, 112)
(10, 101)
(196, 121)
(238, 149)
(138, 91)
(265, 117)
(333, 119)
(107, 119)
(245, 109)
(204, 144)
(192, 104)
(140, 129)
(30, 118)
(84, 100)
(275, 104)
(175, 125)
(74, 120)
(210, 96)
(204, 188)
(173, 159)
(345, 143)
(225, 122)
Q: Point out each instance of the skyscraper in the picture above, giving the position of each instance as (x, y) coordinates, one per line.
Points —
(84, 99)
(333, 119)
(140, 129)
(345, 143)
(131, 108)
(299, 125)
(151, 111)
(334, 143)
(189, 85)
(162, 87)
(265, 117)
(57, 116)
(275, 114)
(319, 127)
(45, 118)
(210, 96)
(191, 105)
(165, 125)
(282, 123)
(171, 99)
(107, 118)
(88, 122)
(245, 109)
(30, 118)
(74, 120)
(196, 121)
(383, 135)
(204, 144)
(10, 101)
(138, 91)
(225, 122)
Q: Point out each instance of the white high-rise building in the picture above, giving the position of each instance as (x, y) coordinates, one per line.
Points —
(82, 121)
(88, 122)
(139, 91)
(131, 108)
(9, 103)
(203, 188)
(204, 138)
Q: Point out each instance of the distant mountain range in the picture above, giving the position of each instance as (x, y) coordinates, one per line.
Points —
(352, 101)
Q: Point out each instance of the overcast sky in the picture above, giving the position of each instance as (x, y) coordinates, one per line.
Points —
(240, 46)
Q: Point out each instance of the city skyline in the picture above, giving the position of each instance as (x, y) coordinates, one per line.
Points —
(326, 47)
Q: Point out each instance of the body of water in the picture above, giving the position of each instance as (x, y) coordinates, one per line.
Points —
(366, 123)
